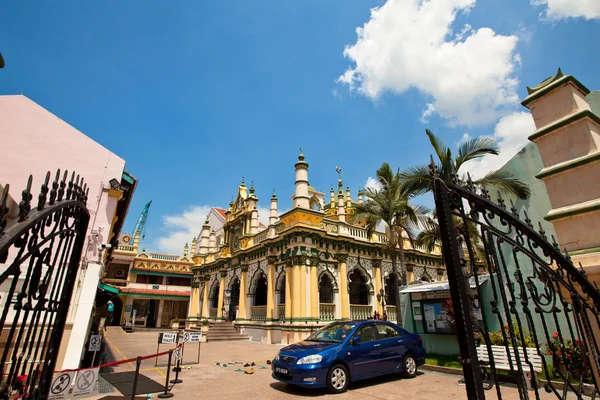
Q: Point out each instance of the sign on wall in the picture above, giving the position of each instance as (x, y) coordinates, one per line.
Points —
(95, 342)
(61, 383)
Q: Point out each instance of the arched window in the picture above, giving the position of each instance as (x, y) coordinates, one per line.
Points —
(235, 292)
(390, 289)
(214, 296)
(359, 293)
(325, 289)
(260, 295)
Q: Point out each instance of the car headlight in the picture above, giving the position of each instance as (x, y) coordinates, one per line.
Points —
(277, 357)
(312, 359)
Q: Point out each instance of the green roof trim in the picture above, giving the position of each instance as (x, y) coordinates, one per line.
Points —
(549, 85)
(153, 296)
(545, 82)
(108, 288)
(564, 122)
(573, 211)
(568, 165)
(128, 177)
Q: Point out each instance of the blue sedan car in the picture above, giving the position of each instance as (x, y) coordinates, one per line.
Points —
(351, 350)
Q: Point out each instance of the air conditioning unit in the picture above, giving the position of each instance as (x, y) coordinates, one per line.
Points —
(120, 273)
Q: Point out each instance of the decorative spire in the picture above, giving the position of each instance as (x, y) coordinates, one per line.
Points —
(243, 184)
(301, 156)
(252, 187)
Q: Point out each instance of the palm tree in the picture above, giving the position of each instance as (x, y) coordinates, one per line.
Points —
(389, 204)
(430, 237)
(418, 180)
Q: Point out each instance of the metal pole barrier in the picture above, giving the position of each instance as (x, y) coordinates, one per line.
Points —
(156, 360)
(199, 344)
(177, 369)
(138, 362)
(167, 394)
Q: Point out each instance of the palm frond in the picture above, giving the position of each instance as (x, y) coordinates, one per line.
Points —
(506, 182)
(438, 145)
(417, 180)
(475, 148)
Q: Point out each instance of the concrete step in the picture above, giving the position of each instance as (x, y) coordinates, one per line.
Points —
(226, 338)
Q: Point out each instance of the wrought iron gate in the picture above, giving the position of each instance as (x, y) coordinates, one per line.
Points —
(40, 250)
(536, 298)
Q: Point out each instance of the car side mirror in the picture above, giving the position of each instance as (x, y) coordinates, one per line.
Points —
(356, 340)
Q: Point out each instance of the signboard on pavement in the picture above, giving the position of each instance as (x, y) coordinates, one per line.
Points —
(86, 383)
(192, 337)
(95, 342)
(61, 384)
(167, 338)
(177, 353)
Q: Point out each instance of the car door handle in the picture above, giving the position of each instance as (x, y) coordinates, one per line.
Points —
(377, 345)
(400, 341)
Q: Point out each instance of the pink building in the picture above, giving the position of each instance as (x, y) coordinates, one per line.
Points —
(34, 142)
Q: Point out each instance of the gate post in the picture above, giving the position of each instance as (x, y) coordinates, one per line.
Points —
(458, 292)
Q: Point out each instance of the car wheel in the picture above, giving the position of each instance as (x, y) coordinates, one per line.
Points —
(338, 379)
(410, 366)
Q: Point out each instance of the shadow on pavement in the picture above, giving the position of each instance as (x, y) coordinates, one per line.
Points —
(123, 382)
(308, 392)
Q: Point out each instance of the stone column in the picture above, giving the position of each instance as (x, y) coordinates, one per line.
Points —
(241, 315)
(378, 285)
(344, 297)
(271, 288)
(205, 302)
(222, 275)
(303, 297)
(288, 291)
(161, 306)
(296, 298)
(314, 288)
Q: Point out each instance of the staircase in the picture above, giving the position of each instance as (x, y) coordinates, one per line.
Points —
(222, 331)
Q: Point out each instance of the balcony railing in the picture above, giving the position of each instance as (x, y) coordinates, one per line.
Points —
(153, 286)
(213, 313)
(165, 257)
(327, 312)
(281, 314)
(360, 312)
(391, 313)
(258, 313)
(261, 236)
(126, 247)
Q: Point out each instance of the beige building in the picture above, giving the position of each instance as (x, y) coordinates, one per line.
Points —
(308, 267)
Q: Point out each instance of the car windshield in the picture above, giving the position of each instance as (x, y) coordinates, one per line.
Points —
(334, 333)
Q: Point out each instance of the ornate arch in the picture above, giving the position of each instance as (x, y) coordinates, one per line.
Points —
(280, 281)
(211, 291)
(254, 280)
(314, 201)
(332, 277)
(231, 281)
(365, 273)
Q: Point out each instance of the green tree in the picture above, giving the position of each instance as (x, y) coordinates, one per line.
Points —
(417, 180)
(389, 204)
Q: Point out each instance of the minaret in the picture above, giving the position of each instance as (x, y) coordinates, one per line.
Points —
(332, 200)
(360, 196)
(348, 197)
(212, 241)
(300, 198)
(341, 210)
(204, 235)
(273, 215)
(193, 250)
(185, 251)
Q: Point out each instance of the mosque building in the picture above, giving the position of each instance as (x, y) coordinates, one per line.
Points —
(308, 267)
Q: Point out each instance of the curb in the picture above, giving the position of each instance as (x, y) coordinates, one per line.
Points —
(446, 370)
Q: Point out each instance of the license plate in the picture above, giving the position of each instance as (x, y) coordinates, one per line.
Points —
(281, 370)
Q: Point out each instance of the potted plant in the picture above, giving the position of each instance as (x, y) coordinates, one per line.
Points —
(204, 326)
(568, 355)
(175, 323)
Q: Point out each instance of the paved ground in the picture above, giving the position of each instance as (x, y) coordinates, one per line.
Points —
(208, 381)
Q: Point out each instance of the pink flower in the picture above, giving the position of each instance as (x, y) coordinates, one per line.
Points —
(555, 335)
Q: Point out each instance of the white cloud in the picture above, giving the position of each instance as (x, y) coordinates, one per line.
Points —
(372, 184)
(179, 229)
(411, 43)
(559, 9)
(511, 133)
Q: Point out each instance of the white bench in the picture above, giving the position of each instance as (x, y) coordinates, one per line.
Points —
(501, 361)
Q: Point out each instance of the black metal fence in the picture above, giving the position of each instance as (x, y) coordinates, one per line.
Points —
(539, 313)
(40, 250)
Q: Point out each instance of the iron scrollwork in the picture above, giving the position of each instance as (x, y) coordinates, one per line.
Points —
(41, 250)
(541, 307)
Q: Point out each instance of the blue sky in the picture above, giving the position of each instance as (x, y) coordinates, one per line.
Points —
(196, 94)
